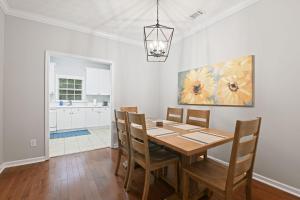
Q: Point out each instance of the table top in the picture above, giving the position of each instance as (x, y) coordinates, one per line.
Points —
(180, 139)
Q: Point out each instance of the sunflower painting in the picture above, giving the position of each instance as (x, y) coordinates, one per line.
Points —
(228, 83)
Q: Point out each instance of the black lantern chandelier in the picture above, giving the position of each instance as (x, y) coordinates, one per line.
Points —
(157, 40)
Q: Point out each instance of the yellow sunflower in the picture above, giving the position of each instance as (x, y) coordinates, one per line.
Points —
(198, 87)
(235, 84)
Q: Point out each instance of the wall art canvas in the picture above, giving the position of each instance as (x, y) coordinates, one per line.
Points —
(224, 84)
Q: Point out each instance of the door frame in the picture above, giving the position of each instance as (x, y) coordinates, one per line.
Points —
(48, 54)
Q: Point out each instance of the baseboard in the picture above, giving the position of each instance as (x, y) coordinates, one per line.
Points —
(1, 168)
(21, 162)
(271, 182)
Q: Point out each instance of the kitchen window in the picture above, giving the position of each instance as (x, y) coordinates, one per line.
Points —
(70, 89)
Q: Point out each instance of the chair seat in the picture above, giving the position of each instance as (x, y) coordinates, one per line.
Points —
(209, 172)
(157, 158)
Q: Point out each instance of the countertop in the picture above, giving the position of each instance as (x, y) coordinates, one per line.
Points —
(78, 106)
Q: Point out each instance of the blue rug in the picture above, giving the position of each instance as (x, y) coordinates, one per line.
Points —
(65, 134)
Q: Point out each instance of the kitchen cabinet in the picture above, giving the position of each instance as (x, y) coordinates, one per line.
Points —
(76, 118)
(98, 81)
(52, 120)
(64, 118)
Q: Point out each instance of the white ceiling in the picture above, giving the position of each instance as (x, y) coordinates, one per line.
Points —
(126, 18)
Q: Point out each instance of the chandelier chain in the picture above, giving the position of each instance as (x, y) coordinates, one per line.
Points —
(157, 12)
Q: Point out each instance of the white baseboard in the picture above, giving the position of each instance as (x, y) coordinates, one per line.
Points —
(1, 168)
(271, 182)
(21, 162)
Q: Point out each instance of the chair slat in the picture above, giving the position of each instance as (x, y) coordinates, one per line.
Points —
(121, 125)
(138, 146)
(137, 133)
(198, 117)
(248, 128)
(247, 147)
(243, 165)
(130, 109)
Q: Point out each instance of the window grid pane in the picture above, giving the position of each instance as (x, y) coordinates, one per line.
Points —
(70, 89)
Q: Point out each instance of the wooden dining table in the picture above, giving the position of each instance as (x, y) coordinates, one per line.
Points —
(175, 137)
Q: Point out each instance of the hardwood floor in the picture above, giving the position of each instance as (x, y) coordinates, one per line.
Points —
(90, 176)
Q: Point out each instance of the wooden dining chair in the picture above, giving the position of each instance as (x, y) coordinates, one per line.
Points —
(123, 142)
(222, 180)
(198, 117)
(140, 154)
(175, 114)
(131, 109)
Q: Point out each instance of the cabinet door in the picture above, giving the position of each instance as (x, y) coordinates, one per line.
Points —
(105, 82)
(92, 81)
(52, 120)
(92, 117)
(105, 117)
(64, 118)
(78, 118)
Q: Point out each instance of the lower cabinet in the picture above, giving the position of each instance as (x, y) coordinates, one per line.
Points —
(75, 118)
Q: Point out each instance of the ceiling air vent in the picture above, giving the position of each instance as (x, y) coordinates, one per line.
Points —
(196, 14)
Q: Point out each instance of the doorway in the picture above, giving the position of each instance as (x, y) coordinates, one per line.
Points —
(78, 104)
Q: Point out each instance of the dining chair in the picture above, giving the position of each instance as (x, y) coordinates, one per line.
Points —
(220, 179)
(123, 142)
(140, 154)
(175, 114)
(130, 109)
(198, 118)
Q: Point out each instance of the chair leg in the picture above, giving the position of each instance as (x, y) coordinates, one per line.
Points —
(146, 185)
(177, 179)
(249, 191)
(130, 173)
(127, 172)
(118, 162)
(186, 186)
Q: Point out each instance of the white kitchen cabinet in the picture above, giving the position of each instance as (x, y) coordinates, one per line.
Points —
(52, 120)
(93, 117)
(97, 81)
(64, 118)
(78, 118)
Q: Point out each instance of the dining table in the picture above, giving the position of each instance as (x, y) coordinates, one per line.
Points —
(186, 140)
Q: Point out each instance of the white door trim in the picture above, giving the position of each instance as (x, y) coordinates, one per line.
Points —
(48, 54)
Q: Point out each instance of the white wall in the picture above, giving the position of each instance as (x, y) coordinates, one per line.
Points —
(2, 24)
(270, 30)
(135, 81)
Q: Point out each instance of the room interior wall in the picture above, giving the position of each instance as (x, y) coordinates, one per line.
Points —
(2, 26)
(267, 30)
(135, 82)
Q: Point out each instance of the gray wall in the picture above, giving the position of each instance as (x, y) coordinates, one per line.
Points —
(135, 81)
(2, 19)
(270, 30)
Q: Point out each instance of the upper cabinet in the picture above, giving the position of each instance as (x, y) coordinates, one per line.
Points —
(97, 81)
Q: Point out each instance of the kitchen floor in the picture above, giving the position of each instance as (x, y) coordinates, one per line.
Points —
(99, 138)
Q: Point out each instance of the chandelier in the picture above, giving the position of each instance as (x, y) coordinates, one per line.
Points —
(157, 40)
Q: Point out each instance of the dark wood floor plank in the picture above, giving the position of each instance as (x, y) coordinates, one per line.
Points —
(89, 176)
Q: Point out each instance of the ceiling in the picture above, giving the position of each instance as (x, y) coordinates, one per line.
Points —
(126, 18)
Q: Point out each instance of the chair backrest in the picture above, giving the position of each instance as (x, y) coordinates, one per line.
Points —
(198, 117)
(175, 114)
(122, 129)
(130, 109)
(243, 152)
(138, 135)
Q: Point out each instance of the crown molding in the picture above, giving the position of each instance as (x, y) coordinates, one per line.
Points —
(71, 26)
(4, 6)
(63, 24)
(227, 13)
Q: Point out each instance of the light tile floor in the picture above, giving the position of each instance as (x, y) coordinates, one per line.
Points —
(99, 138)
